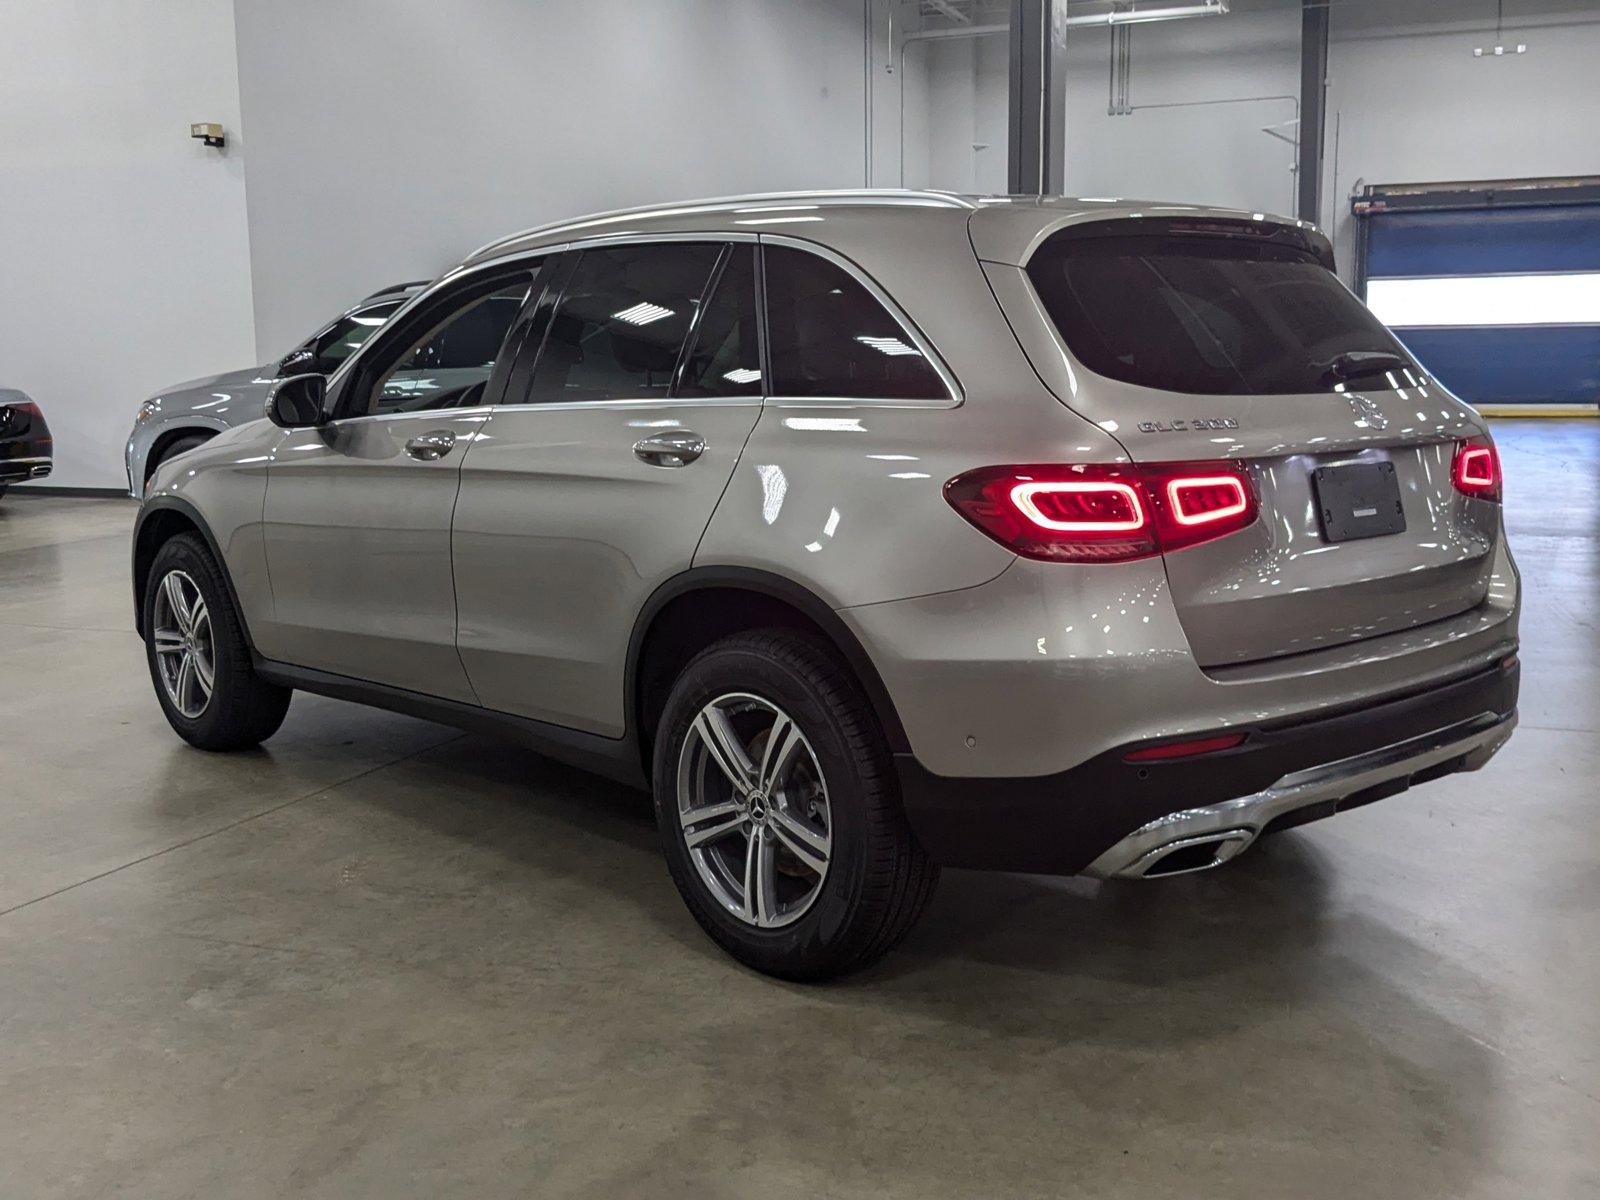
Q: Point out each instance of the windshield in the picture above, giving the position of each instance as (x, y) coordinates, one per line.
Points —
(347, 334)
(1210, 314)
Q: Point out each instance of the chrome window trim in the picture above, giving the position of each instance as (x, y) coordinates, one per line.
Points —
(858, 402)
(436, 414)
(954, 396)
(648, 402)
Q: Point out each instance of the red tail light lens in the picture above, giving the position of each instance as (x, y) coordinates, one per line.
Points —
(1081, 506)
(16, 418)
(1476, 470)
(1204, 500)
(1101, 513)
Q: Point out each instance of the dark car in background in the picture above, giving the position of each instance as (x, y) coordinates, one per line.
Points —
(189, 414)
(25, 444)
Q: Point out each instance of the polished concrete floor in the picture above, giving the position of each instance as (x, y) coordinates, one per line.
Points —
(381, 959)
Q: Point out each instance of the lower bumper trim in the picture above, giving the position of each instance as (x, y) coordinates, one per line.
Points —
(1232, 826)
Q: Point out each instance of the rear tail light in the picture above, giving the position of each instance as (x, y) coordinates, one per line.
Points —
(1207, 499)
(16, 418)
(1104, 513)
(1476, 470)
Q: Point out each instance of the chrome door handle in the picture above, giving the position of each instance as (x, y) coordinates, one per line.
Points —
(675, 448)
(429, 446)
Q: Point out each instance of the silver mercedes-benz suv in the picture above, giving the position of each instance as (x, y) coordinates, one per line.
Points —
(186, 415)
(874, 532)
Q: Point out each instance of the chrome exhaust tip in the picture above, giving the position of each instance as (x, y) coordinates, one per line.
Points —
(1188, 855)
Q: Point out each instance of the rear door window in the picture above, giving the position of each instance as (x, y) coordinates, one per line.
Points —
(1211, 314)
(725, 356)
(829, 336)
(619, 326)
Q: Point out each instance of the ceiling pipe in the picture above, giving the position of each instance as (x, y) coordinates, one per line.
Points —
(1136, 16)
(961, 31)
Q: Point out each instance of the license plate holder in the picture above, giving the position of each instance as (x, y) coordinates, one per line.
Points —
(1358, 500)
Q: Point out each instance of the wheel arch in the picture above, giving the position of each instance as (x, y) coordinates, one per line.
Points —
(159, 521)
(696, 608)
(167, 437)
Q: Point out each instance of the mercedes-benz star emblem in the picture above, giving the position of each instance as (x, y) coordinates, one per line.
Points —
(1368, 414)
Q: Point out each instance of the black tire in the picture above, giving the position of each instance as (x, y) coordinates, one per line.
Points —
(878, 880)
(243, 709)
(173, 448)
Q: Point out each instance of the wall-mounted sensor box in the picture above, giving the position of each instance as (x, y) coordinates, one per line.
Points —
(208, 132)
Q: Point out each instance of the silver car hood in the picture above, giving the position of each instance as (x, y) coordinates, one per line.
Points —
(227, 379)
(227, 399)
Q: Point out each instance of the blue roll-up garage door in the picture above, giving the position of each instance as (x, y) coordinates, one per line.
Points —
(1495, 290)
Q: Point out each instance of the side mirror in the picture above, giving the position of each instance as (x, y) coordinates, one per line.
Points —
(298, 362)
(296, 402)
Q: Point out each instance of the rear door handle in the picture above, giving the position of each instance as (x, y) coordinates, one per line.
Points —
(429, 446)
(674, 448)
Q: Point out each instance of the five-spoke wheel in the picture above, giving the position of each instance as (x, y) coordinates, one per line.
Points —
(200, 659)
(777, 808)
(754, 810)
(184, 645)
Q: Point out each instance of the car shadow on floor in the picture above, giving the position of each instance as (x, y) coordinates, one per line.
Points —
(1268, 911)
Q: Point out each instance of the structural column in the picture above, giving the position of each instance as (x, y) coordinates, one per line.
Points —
(1313, 107)
(1036, 130)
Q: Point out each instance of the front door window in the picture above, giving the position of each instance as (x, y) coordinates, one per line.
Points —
(450, 365)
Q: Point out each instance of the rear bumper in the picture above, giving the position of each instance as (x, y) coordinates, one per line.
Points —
(1209, 836)
(14, 470)
(1113, 818)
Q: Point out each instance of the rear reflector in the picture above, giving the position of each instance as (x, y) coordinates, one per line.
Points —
(1104, 512)
(1205, 745)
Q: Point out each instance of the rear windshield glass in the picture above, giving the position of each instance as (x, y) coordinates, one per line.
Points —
(1212, 315)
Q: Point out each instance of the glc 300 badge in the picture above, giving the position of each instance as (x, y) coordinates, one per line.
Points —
(1197, 424)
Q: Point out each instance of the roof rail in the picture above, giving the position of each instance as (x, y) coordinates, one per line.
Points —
(906, 196)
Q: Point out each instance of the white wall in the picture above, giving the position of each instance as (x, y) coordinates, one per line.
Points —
(124, 261)
(968, 102)
(1202, 153)
(389, 138)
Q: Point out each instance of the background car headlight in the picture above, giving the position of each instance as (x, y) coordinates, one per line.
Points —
(147, 410)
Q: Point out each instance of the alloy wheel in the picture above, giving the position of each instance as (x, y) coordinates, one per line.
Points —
(753, 810)
(184, 646)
